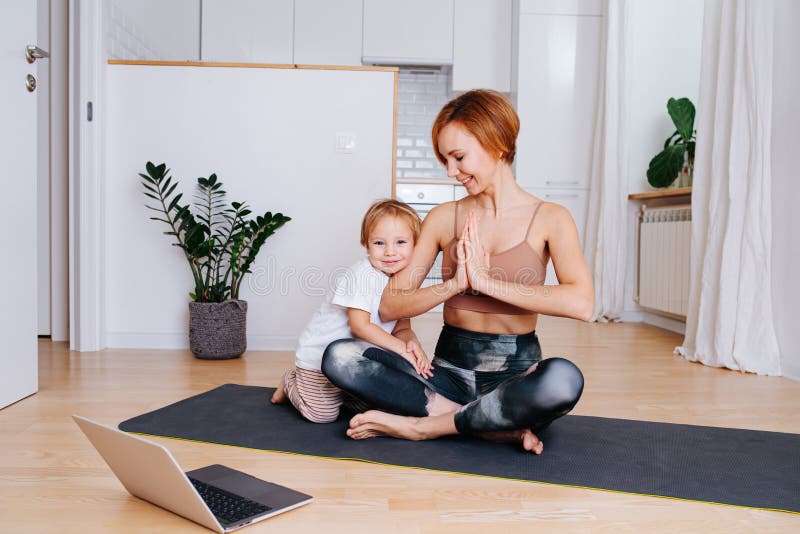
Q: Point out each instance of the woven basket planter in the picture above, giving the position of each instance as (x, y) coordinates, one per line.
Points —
(218, 330)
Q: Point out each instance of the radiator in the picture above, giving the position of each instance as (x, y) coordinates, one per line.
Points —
(665, 235)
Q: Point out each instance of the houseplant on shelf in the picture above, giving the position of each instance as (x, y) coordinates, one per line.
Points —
(220, 244)
(678, 153)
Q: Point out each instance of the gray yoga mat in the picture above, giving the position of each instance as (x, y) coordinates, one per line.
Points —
(719, 465)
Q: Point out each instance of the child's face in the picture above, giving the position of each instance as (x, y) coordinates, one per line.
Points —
(390, 244)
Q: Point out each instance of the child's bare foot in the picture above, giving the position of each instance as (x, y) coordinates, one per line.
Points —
(279, 397)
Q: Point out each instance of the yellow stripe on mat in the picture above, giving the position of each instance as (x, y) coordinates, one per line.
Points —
(472, 474)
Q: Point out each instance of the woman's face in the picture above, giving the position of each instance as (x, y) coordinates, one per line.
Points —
(466, 160)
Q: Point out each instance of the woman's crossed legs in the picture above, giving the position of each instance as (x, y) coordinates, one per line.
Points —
(409, 407)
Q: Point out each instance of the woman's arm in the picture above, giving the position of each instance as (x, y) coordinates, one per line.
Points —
(403, 296)
(572, 297)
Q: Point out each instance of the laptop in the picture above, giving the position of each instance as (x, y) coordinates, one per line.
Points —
(217, 497)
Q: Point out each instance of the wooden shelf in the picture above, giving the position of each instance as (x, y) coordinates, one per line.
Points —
(662, 193)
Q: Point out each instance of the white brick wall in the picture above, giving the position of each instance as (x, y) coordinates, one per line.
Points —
(420, 94)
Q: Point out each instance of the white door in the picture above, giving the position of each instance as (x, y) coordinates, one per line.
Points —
(18, 321)
(43, 171)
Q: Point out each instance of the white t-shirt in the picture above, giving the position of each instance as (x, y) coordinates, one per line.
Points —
(361, 287)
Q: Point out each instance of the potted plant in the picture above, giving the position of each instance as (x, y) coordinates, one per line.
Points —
(678, 153)
(220, 244)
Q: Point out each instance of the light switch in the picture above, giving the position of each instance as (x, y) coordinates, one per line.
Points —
(345, 142)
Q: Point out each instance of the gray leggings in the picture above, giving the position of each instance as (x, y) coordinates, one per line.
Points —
(486, 373)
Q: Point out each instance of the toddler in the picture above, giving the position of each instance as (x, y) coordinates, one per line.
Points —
(388, 232)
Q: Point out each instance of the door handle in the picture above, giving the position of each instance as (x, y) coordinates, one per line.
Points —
(561, 182)
(552, 195)
(32, 53)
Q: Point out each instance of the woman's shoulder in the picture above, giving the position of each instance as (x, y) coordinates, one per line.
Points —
(439, 223)
(441, 216)
(553, 211)
(443, 210)
(552, 218)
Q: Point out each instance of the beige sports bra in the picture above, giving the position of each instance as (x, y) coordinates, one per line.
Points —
(519, 264)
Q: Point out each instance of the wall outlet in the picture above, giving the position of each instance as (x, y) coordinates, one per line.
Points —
(345, 142)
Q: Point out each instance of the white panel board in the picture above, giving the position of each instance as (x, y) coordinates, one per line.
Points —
(269, 134)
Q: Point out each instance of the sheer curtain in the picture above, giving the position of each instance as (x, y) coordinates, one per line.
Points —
(606, 221)
(729, 323)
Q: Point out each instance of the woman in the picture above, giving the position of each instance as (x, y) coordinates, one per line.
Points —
(488, 375)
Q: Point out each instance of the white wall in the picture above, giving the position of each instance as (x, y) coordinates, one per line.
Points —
(665, 53)
(666, 63)
(785, 185)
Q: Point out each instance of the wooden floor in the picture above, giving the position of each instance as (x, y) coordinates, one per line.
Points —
(51, 480)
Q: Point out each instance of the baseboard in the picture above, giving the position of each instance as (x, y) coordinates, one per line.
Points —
(790, 370)
(136, 340)
(673, 325)
(631, 316)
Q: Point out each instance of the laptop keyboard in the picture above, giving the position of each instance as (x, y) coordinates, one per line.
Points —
(226, 506)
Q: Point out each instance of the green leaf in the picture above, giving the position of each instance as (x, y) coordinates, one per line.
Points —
(174, 201)
(664, 168)
(169, 191)
(682, 113)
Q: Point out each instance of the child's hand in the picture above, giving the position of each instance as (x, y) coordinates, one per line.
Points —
(417, 357)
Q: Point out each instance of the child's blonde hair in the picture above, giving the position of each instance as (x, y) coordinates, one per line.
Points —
(394, 208)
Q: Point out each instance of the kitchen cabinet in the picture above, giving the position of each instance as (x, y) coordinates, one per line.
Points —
(562, 7)
(425, 194)
(558, 70)
(555, 81)
(482, 45)
(257, 31)
(327, 33)
(413, 32)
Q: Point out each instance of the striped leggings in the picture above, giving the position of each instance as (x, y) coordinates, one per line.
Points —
(313, 395)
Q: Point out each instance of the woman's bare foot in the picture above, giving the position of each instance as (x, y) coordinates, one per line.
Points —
(374, 423)
(279, 397)
(525, 437)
